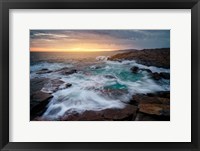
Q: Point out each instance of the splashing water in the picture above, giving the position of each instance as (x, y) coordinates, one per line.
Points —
(108, 84)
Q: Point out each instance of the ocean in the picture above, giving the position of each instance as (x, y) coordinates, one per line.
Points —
(98, 83)
(61, 56)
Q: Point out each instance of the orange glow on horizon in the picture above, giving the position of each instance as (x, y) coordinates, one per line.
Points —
(69, 50)
(86, 40)
(76, 42)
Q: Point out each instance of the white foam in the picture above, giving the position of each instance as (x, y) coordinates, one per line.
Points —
(102, 58)
(79, 100)
(46, 65)
(86, 90)
(133, 63)
(49, 66)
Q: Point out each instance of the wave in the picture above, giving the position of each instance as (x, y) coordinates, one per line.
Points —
(102, 58)
(109, 85)
(79, 100)
(134, 63)
(49, 66)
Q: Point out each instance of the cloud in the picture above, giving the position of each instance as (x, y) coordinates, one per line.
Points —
(137, 39)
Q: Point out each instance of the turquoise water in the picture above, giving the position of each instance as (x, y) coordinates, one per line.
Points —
(116, 86)
(116, 73)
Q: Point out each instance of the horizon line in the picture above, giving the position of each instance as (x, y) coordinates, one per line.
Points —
(106, 50)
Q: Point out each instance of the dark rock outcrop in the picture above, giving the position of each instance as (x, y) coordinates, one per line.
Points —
(67, 85)
(54, 85)
(156, 76)
(154, 109)
(147, 117)
(162, 94)
(109, 76)
(66, 71)
(40, 96)
(38, 102)
(165, 75)
(70, 71)
(149, 57)
(43, 71)
(37, 84)
(154, 106)
(127, 113)
(162, 75)
(157, 98)
(113, 93)
(135, 69)
(47, 85)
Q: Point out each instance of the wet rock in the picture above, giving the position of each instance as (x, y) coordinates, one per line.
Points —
(147, 117)
(135, 69)
(149, 57)
(56, 82)
(127, 113)
(63, 86)
(43, 71)
(163, 94)
(136, 99)
(70, 71)
(165, 101)
(144, 117)
(114, 93)
(156, 76)
(67, 71)
(40, 118)
(86, 116)
(165, 75)
(47, 85)
(40, 93)
(142, 99)
(155, 109)
(110, 76)
(67, 85)
(152, 106)
(52, 86)
(37, 84)
(40, 96)
(38, 102)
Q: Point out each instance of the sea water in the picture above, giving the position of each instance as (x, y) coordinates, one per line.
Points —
(98, 83)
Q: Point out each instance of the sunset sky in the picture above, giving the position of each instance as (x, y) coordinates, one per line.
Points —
(97, 40)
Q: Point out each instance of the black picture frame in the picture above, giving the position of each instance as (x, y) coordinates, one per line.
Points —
(5, 5)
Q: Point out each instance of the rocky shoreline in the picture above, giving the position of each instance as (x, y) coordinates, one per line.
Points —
(149, 57)
(142, 107)
(40, 95)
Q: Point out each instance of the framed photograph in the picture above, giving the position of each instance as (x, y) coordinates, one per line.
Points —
(99, 75)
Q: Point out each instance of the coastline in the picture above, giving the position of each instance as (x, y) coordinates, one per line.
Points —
(140, 107)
